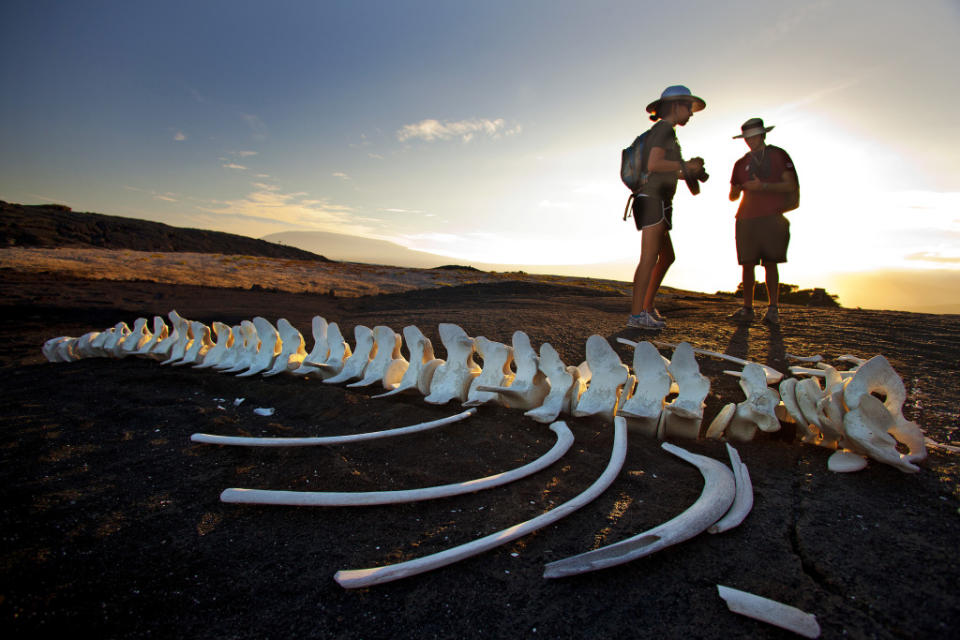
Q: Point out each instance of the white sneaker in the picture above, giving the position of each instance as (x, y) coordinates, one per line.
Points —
(644, 320)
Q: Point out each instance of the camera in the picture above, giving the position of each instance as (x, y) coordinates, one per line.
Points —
(693, 180)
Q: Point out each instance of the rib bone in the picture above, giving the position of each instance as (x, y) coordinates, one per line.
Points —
(770, 611)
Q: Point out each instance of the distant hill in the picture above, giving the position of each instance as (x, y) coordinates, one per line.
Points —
(339, 246)
(53, 225)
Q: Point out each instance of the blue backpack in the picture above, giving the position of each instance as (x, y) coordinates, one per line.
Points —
(632, 169)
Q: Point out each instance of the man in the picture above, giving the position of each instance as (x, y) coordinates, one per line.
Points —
(768, 180)
(653, 204)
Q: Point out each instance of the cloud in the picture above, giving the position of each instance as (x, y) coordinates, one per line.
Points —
(179, 136)
(165, 198)
(431, 130)
(257, 128)
(244, 154)
(233, 165)
(341, 175)
(933, 256)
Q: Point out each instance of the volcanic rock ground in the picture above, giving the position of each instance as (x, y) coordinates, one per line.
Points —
(112, 524)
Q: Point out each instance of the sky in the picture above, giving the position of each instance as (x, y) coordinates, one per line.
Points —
(491, 131)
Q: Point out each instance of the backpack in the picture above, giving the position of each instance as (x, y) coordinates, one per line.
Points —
(792, 200)
(632, 169)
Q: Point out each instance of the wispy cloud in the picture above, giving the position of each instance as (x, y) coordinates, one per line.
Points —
(165, 198)
(244, 154)
(341, 175)
(234, 165)
(431, 130)
(257, 128)
(179, 136)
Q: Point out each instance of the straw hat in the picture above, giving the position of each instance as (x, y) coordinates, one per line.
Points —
(677, 92)
(752, 127)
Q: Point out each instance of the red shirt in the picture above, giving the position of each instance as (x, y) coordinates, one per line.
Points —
(769, 166)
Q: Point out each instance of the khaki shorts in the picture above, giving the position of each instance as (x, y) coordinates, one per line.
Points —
(763, 239)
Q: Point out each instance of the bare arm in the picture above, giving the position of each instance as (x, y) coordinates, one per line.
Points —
(735, 190)
(658, 163)
(787, 184)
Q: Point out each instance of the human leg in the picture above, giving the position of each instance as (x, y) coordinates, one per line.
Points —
(749, 281)
(651, 239)
(772, 316)
(665, 258)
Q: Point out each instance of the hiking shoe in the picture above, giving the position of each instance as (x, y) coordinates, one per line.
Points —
(656, 316)
(772, 316)
(743, 314)
(644, 320)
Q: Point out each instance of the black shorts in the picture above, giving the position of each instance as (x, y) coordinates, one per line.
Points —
(648, 211)
(763, 239)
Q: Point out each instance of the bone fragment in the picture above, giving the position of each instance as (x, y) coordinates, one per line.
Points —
(245, 441)
(353, 579)
(607, 378)
(387, 365)
(720, 422)
(496, 373)
(846, 461)
(421, 367)
(269, 349)
(529, 386)
(773, 376)
(683, 416)
(770, 611)
(292, 351)
(644, 407)
(742, 500)
(812, 359)
(364, 350)
(366, 498)
(718, 493)
(560, 378)
(856, 361)
(320, 347)
(222, 343)
(818, 373)
(452, 379)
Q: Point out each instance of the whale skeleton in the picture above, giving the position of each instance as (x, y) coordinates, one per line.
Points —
(358, 578)
(366, 498)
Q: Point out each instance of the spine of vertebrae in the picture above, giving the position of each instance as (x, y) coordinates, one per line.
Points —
(658, 397)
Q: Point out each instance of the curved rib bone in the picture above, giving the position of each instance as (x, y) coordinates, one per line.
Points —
(357, 578)
(718, 492)
(495, 374)
(560, 378)
(292, 350)
(366, 498)
(364, 351)
(770, 611)
(452, 378)
(607, 377)
(387, 365)
(422, 364)
(245, 441)
(742, 500)
(320, 347)
(530, 385)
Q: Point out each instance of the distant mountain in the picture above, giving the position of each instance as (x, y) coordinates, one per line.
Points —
(54, 225)
(338, 246)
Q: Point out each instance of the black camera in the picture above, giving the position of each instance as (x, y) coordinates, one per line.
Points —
(693, 180)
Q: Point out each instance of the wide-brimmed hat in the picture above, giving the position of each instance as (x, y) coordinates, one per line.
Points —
(752, 127)
(677, 92)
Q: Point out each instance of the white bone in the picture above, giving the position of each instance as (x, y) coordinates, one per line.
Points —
(292, 350)
(773, 376)
(268, 350)
(939, 445)
(216, 354)
(560, 379)
(808, 394)
(758, 410)
(452, 379)
(683, 416)
(855, 360)
(495, 373)
(320, 347)
(353, 579)
(339, 352)
(159, 333)
(234, 349)
(387, 365)
(96, 344)
(366, 498)
(742, 500)
(114, 343)
(718, 493)
(246, 441)
(788, 396)
(867, 428)
(199, 346)
(530, 386)
(139, 336)
(245, 349)
(84, 345)
(830, 408)
(818, 373)
(846, 461)
(814, 359)
(178, 347)
(721, 421)
(644, 407)
(364, 350)
(770, 611)
(877, 375)
(607, 378)
(67, 350)
(49, 348)
(421, 366)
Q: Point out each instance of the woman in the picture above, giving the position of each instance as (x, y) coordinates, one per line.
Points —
(653, 206)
